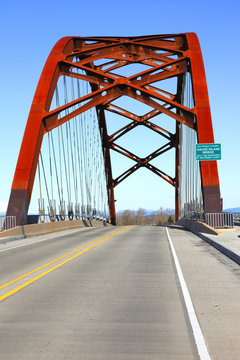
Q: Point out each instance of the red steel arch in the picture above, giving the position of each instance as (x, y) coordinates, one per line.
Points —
(168, 56)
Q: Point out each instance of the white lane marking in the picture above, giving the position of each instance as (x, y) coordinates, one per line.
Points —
(45, 239)
(197, 332)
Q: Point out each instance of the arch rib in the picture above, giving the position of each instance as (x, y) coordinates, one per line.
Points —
(209, 170)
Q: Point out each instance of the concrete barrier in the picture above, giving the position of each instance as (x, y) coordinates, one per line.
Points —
(198, 227)
(44, 228)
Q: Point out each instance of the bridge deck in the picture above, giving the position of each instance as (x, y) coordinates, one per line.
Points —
(116, 298)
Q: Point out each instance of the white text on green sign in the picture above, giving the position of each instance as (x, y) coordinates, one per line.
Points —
(208, 152)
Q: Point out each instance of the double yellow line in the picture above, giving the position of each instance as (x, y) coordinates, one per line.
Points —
(88, 247)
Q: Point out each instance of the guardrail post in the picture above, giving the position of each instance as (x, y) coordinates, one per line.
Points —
(219, 220)
(7, 222)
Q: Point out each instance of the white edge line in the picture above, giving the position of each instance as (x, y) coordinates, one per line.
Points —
(45, 239)
(197, 332)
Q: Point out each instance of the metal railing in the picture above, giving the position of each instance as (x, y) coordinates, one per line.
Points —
(236, 218)
(219, 220)
(7, 222)
(215, 220)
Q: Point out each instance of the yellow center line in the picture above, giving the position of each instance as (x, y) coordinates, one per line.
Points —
(106, 237)
(53, 261)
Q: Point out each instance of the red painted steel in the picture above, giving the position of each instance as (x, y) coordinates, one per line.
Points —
(209, 171)
(167, 56)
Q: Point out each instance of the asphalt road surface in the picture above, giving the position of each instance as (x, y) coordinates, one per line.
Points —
(108, 293)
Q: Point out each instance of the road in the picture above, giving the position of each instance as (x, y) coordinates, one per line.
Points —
(100, 293)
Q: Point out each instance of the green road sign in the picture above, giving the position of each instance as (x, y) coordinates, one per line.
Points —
(208, 152)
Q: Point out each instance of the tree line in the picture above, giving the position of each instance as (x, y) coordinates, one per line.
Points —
(142, 217)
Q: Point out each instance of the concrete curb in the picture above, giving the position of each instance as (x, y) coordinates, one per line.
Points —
(199, 228)
(229, 253)
(12, 238)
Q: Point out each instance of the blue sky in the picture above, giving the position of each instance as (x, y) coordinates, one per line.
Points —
(30, 29)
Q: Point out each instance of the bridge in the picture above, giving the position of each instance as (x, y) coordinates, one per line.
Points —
(80, 84)
(117, 292)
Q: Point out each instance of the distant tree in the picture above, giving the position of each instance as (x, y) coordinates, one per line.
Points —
(160, 217)
(170, 220)
(119, 219)
(141, 216)
(128, 217)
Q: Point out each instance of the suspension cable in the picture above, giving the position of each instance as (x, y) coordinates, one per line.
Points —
(44, 175)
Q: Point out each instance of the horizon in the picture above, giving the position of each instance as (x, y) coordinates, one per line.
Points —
(3, 209)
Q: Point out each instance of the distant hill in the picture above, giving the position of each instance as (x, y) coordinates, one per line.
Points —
(233, 210)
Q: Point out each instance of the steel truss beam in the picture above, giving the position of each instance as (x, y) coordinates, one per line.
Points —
(167, 56)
